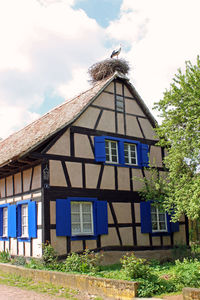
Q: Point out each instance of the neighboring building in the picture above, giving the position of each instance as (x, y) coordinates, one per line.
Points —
(69, 178)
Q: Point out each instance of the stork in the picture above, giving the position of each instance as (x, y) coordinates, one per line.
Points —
(116, 52)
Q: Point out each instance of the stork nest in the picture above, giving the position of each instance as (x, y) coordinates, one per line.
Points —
(107, 68)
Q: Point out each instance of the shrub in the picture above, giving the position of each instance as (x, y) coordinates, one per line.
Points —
(135, 267)
(155, 286)
(50, 256)
(187, 273)
(18, 261)
(5, 256)
(88, 262)
(35, 264)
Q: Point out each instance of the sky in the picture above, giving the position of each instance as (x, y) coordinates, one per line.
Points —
(47, 46)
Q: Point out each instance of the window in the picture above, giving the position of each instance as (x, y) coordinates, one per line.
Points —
(81, 218)
(111, 151)
(119, 103)
(18, 220)
(5, 222)
(155, 221)
(158, 219)
(130, 154)
(123, 152)
(24, 220)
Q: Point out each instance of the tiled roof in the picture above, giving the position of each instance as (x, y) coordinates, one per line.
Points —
(24, 140)
(28, 138)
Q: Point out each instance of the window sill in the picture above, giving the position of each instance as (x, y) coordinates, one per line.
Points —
(4, 238)
(83, 237)
(160, 233)
(122, 165)
(23, 239)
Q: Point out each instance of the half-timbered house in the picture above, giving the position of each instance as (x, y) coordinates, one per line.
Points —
(70, 178)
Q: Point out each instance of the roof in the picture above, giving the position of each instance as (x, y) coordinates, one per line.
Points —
(23, 141)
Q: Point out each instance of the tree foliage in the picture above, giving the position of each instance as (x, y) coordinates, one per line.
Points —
(180, 134)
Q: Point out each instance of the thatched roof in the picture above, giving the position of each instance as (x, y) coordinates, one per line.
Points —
(27, 139)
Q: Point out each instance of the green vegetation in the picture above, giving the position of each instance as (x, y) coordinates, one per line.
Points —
(154, 277)
(179, 133)
(40, 287)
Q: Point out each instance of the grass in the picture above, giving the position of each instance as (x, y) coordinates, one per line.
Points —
(39, 287)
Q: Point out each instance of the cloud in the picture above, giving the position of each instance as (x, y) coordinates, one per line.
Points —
(161, 36)
(42, 44)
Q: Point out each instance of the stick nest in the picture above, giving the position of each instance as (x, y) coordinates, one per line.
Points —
(107, 68)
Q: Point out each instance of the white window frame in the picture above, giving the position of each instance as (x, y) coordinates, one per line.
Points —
(157, 213)
(129, 154)
(5, 222)
(24, 220)
(81, 223)
(110, 142)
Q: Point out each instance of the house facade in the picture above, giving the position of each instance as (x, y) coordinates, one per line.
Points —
(70, 178)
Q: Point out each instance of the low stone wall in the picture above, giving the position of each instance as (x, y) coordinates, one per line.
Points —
(191, 293)
(115, 289)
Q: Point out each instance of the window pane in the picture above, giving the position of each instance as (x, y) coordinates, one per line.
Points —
(162, 226)
(76, 228)
(114, 152)
(154, 225)
(75, 207)
(162, 217)
(75, 218)
(87, 228)
(153, 217)
(133, 161)
(86, 207)
(86, 218)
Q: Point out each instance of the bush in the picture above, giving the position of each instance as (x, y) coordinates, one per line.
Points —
(88, 262)
(50, 256)
(155, 286)
(18, 261)
(134, 267)
(35, 264)
(5, 256)
(187, 273)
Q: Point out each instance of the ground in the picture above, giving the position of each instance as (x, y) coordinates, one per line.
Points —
(16, 293)
(11, 292)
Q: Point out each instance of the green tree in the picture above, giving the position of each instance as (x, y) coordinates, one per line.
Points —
(180, 134)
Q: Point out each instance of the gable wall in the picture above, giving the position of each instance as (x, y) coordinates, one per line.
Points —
(78, 173)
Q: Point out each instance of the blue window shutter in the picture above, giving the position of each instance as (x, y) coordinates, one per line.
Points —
(99, 146)
(12, 221)
(168, 223)
(19, 221)
(32, 219)
(63, 217)
(101, 217)
(144, 155)
(1, 221)
(121, 152)
(145, 214)
(172, 227)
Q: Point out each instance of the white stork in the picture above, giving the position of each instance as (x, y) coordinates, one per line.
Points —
(116, 52)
